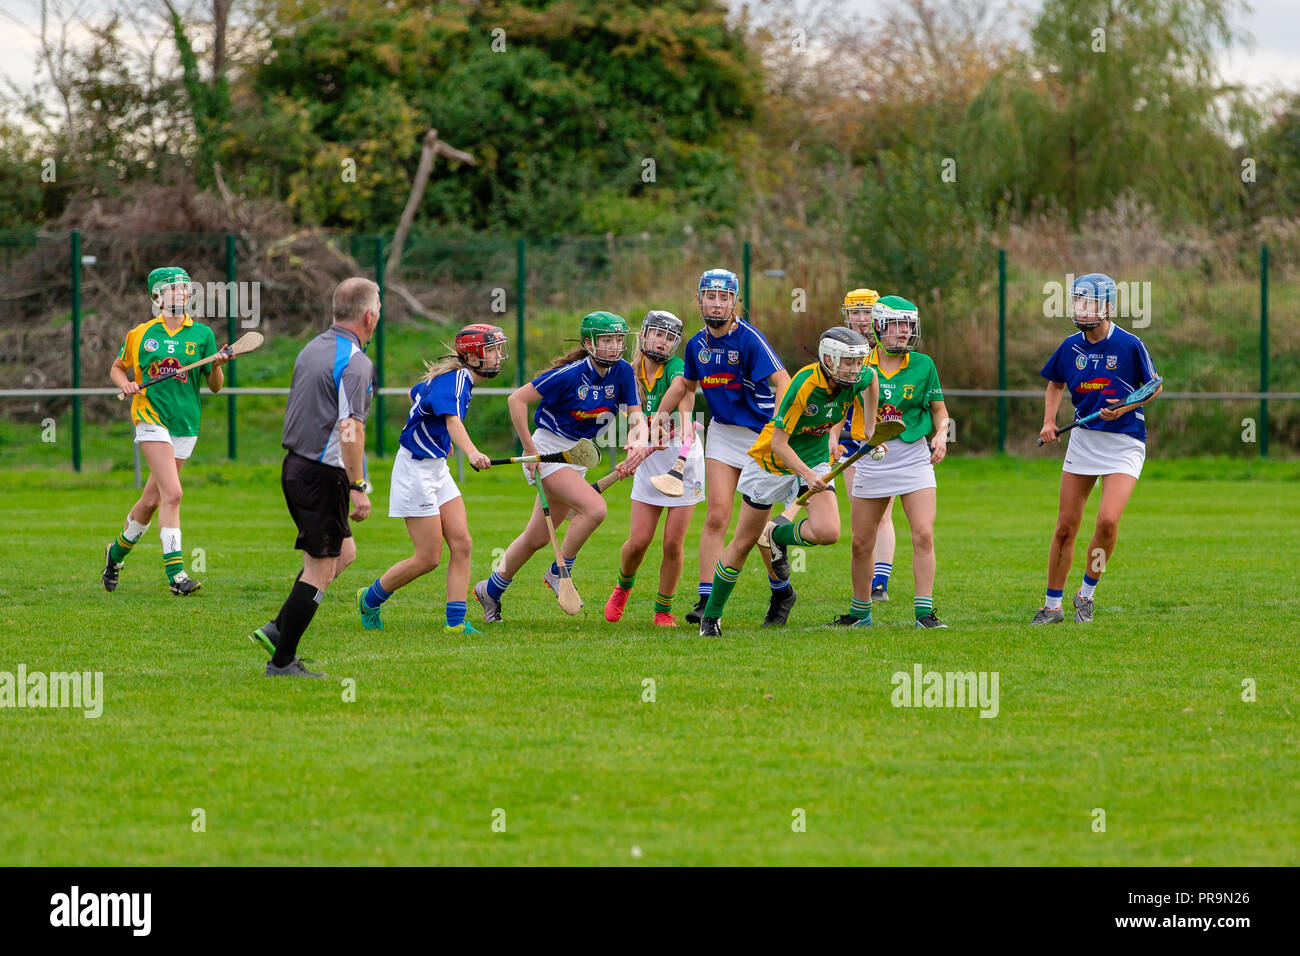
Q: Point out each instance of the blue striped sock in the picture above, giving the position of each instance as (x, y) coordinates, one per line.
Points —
(455, 613)
(568, 563)
(881, 578)
(1054, 597)
(706, 588)
(376, 595)
(497, 585)
(777, 585)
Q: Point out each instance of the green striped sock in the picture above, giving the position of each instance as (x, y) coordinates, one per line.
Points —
(173, 564)
(921, 606)
(724, 582)
(120, 548)
(789, 534)
(625, 581)
(663, 603)
(860, 609)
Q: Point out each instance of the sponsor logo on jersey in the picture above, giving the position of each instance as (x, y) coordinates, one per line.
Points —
(1081, 362)
(713, 381)
(151, 345)
(888, 413)
(588, 415)
(733, 358)
(1112, 361)
(1093, 385)
(821, 429)
(167, 366)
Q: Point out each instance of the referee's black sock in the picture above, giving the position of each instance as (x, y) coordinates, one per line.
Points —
(279, 618)
(295, 617)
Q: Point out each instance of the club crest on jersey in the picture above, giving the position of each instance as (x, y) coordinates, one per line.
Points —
(705, 355)
(1081, 362)
(812, 409)
(907, 390)
(609, 391)
(151, 345)
(1112, 361)
(582, 392)
(189, 347)
(733, 358)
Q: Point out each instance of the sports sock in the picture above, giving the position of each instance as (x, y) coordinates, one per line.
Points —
(663, 603)
(724, 582)
(1054, 598)
(789, 534)
(881, 578)
(173, 559)
(921, 606)
(125, 541)
(1089, 587)
(276, 621)
(705, 589)
(455, 613)
(497, 585)
(625, 581)
(295, 617)
(777, 585)
(568, 563)
(860, 609)
(376, 595)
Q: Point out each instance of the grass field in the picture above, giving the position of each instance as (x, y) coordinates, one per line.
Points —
(1140, 714)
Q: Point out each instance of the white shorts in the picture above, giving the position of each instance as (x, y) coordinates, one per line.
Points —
(906, 468)
(547, 443)
(1103, 453)
(764, 488)
(182, 445)
(660, 462)
(420, 488)
(730, 444)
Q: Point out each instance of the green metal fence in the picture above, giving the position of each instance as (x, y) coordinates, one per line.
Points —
(1194, 311)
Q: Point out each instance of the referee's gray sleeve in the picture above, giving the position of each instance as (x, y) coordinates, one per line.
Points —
(355, 388)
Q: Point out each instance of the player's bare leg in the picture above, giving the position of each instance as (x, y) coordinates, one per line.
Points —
(1116, 490)
(921, 507)
(1074, 495)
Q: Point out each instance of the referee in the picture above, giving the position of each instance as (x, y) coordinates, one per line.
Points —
(325, 436)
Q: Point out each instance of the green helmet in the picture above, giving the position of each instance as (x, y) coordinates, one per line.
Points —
(162, 279)
(596, 324)
(891, 310)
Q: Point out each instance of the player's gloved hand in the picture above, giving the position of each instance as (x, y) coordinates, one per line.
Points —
(1048, 433)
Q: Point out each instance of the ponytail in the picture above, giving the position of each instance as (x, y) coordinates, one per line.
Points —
(571, 356)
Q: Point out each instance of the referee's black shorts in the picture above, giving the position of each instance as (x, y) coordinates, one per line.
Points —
(318, 500)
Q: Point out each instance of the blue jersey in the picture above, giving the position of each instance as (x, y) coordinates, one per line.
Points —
(1094, 372)
(425, 434)
(577, 401)
(733, 371)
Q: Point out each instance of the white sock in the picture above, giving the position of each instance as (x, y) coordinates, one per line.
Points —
(1087, 590)
(134, 529)
(171, 539)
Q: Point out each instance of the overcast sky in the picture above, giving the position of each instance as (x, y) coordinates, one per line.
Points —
(1274, 61)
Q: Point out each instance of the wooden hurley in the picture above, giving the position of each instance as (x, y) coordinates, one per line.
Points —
(242, 345)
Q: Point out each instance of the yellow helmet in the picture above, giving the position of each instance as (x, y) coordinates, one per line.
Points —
(859, 301)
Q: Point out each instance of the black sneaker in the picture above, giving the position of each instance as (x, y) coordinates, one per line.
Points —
(696, 614)
(929, 621)
(778, 611)
(111, 570)
(294, 668)
(879, 593)
(848, 620)
(183, 585)
(710, 627)
(266, 637)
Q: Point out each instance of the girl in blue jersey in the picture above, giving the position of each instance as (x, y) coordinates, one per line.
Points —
(423, 491)
(743, 380)
(577, 397)
(1099, 364)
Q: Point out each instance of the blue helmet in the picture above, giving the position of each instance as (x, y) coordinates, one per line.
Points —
(1098, 291)
(723, 281)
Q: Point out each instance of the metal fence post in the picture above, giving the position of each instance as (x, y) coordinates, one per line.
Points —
(1263, 350)
(521, 290)
(231, 309)
(379, 345)
(76, 349)
(1002, 351)
(744, 297)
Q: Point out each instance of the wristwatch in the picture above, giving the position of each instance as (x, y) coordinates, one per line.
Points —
(362, 486)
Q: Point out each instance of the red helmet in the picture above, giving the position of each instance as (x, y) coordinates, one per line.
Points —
(473, 340)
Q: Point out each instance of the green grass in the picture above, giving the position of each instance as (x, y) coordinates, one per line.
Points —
(1140, 714)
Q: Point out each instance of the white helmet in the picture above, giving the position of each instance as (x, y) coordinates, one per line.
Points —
(842, 352)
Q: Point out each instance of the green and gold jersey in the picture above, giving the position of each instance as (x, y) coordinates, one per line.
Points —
(909, 392)
(653, 389)
(151, 347)
(808, 411)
